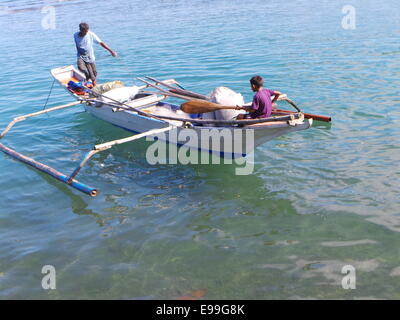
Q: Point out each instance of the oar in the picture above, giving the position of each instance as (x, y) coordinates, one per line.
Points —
(179, 91)
(176, 82)
(181, 95)
(306, 115)
(202, 106)
(164, 92)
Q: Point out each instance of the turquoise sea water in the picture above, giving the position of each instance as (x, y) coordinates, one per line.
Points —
(318, 199)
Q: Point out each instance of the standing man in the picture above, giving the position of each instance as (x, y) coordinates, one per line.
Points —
(262, 102)
(84, 45)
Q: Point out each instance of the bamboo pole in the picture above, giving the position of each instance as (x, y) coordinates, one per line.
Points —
(170, 94)
(110, 144)
(179, 91)
(48, 170)
(90, 154)
(24, 117)
(125, 106)
(167, 93)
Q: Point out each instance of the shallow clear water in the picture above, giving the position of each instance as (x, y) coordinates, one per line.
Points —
(317, 200)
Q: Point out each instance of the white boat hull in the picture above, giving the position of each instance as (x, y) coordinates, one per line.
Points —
(234, 142)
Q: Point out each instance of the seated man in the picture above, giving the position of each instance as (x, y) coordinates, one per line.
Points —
(262, 103)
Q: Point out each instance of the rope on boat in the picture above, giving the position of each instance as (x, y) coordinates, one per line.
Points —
(292, 104)
(48, 97)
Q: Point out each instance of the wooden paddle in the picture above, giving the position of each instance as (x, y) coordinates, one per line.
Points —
(202, 106)
(306, 115)
(175, 90)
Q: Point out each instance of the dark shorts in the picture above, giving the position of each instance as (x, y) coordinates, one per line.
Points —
(89, 69)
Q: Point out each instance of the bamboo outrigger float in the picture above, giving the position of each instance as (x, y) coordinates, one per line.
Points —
(138, 114)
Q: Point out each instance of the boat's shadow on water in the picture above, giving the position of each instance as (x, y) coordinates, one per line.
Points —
(321, 125)
(79, 204)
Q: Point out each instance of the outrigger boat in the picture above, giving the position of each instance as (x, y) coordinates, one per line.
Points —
(144, 111)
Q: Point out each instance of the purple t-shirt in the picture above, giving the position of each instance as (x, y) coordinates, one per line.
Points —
(262, 104)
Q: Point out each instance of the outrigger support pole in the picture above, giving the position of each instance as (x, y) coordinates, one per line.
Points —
(38, 165)
(50, 171)
(24, 117)
(110, 144)
(69, 180)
